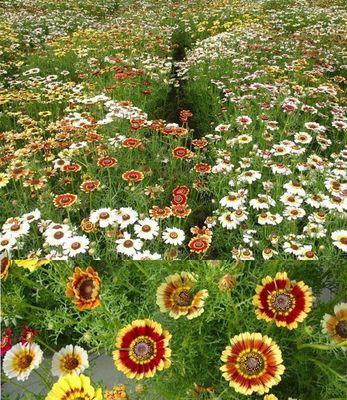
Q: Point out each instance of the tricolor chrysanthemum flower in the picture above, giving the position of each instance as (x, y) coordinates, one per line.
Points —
(73, 387)
(252, 363)
(84, 287)
(175, 296)
(336, 325)
(21, 359)
(70, 360)
(142, 349)
(283, 301)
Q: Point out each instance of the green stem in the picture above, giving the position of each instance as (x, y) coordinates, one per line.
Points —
(43, 379)
(45, 345)
(320, 346)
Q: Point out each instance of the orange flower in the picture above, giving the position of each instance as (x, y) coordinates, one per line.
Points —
(203, 168)
(181, 211)
(107, 162)
(182, 152)
(89, 186)
(84, 287)
(199, 244)
(65, 200)
(87, 226)
(132, 143)
(132, 176)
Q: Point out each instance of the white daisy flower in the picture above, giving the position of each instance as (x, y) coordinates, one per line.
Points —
(146, 228)
(70, 360)
(147, 255)
(340, 239)
(76, 245)
(249, 176)
(126, 216)
(16, 228)
(173, 236)
(295, 187)
(7, 243)
(128, 246)
(103, 217)
(21, 359)
(228, 221)
(32, 216)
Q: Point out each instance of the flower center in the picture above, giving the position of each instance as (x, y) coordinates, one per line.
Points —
(75, 245)
(282, 302)
(173, 235)
(58, 235)
(146, 228)
(104, 215)
(128, 244)
(183, 298)
(71, 363)
(343, 240)
(86, 288)
(251, 364)
(143, 349)
(24, 361)
(341, 328)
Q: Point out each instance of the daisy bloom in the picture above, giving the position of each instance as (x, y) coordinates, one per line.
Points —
(252, 363)
(157, 212)
(73, 387)
(107, 162)
(103, 216)
(90, 186)
(336, 325)
(142, 349)
(146, 229)
(76, 245)
(199, 244)
(173, 236)
(128, 246)
(175, 296)
(283, 301)
(65, 200)
(340, 240)
(21, 359)
(71, 360)
(84, 287)
(132, 176)
(126, 216)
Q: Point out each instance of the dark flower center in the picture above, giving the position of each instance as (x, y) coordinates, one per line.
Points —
(58, 235)
(71, 363)
(128, 244)
(104, 215)
(251, 364)
(143, 349)
(75, 245)
(341, 328)
(25, 361)
(184, 298)
(282, 302)
(86, 289)
(146, 228)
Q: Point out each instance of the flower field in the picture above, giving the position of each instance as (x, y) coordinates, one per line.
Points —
(173, 197)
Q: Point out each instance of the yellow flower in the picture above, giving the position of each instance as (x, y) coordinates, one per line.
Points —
(32, 264)
(71, 387)
(4, 179)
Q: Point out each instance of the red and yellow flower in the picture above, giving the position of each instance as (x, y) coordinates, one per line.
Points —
(65, 200)
(107, 162)
(283, 301)
(199, 244)
(175, 296)
(142, 349)
(252, 363)
(84, 289)
(132, 176)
